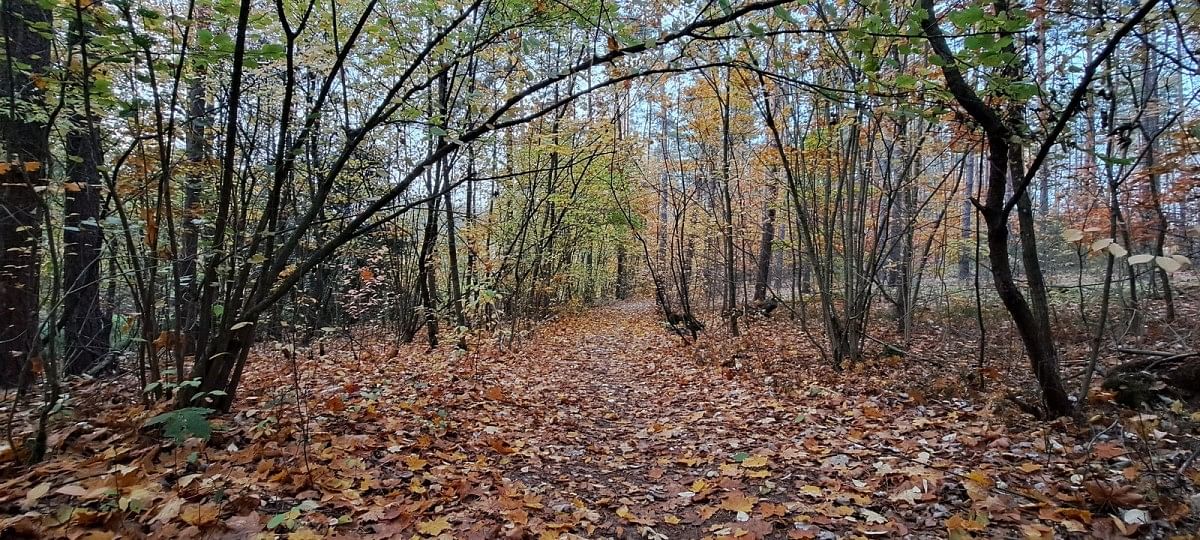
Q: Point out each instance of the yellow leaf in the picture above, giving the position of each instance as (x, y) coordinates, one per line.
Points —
(672, 519)
(699, 485)
(434, 527)
(815, 491)
(980, 478)
(755, 462)
(304, 534)
(414, 463)
(1030, 467)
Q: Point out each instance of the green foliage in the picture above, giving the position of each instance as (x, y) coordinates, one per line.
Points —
(181, 424)
(288, 519)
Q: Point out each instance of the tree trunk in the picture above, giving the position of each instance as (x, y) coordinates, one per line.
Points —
(192, 211)
(622, 291)
(427, 280)
(964, 258)
(456, 302)
(1039, 344)
(763, 268)
(85, 329)
(26, 150)
(730, 275)
(1033, 327)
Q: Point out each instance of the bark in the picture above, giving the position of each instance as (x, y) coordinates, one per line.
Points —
(622, 291)
(192, 210)
(762, 273)
(730, 272)
(964, 259)
(456, 301)
(85, 329)
(427, 280)
(26, 150)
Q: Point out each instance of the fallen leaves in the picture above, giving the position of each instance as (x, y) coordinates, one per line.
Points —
(200, 514)
(1112, 495)
(434, 527)
(595, 426)
(739, 502)
(34, 494)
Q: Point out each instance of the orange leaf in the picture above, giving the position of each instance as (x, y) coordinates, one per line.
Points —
(1108, 450)
(958, 523)
(200, 515)
(335, 404)
(500, 445)
(494, 393)
(739, 502)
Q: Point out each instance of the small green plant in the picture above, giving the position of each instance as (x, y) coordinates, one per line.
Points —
(181, 424)
(288, 519)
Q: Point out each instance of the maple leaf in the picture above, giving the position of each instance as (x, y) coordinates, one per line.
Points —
(627, 515)
(769, 509)
(414, 463)
(872, 516)
(1030, 467)
(739, 502)
(434, 527)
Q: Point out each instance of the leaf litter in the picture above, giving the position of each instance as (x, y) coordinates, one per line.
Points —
(601, 425)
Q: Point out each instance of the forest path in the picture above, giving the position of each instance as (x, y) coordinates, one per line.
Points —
(617, 414)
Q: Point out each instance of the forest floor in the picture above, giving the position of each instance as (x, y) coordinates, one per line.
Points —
(604, 425)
